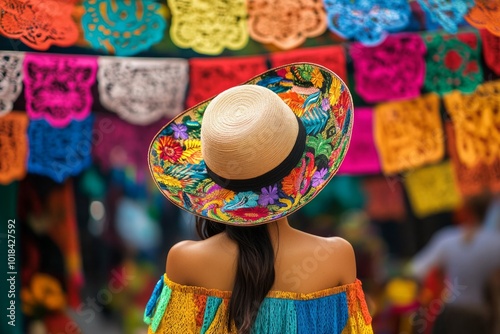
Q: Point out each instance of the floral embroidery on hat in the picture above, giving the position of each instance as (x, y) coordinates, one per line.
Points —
(324, 105)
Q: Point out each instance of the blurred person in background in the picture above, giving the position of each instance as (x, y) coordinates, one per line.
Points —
(269, 147)
(468, 256)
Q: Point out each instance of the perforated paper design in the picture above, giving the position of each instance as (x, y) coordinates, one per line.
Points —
(447, 13)
(472, 180)
(122, 27)
(39, 24)
(208, 27)
(212, 76)
(143, 91)
(392, 70)
(11, 79)
(453, 62)
(408, 134)
(331, 57)
(286, 23)
(491, 50)
(432, 189)
(13, 147)
(485, 15)
(57, 88)
(60, 153)
(367, 21)
(476, 118)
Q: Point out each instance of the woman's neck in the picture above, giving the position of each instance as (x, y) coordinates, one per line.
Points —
(279, 229)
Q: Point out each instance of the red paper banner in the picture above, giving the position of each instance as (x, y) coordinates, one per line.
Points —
(384, 198)
(209, 77)
(331, 57)
(491, 50)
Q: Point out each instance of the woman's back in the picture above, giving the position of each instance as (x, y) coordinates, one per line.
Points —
(304, 263)
(314, 291)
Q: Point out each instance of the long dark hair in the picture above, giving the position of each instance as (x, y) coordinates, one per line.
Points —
(254, 273)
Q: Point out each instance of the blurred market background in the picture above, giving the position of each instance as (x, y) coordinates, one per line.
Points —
(85, 85)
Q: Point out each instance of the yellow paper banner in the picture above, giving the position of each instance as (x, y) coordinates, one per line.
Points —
(476, 120)
(432, 189)
(409, 134)
(209, 26)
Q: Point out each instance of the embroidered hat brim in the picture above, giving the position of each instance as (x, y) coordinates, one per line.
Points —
(322, 102)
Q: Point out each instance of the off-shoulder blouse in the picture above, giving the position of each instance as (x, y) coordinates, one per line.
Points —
(177, 308)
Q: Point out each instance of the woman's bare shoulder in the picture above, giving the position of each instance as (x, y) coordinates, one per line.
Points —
(187, 259)
(315, 262)
(179, 257)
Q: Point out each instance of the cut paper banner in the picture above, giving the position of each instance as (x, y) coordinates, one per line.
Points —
(286, 23)
(392, 70)
(59, 153)
(362, 156)
(13, 147)
(11, 79)
(123, 28)
(447, 13)
(409, 134)
(332, 57)
(472, 180)
(485, 15)
(477, 123)
(367, 21)
(452, 62)
(384, 198)
(209, 27)
(491, 50)
(432, 189)
(119, 144)
(215, 75)
(57, 88)
(39, 24)
(141, 91)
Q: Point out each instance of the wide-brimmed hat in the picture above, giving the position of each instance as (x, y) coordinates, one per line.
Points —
(259, 151)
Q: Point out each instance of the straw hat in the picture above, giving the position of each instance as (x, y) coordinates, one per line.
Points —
(256, 152)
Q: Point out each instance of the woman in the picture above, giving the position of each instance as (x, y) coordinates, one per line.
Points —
(242, 162)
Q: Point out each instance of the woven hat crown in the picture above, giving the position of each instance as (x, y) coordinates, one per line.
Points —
(247, 131)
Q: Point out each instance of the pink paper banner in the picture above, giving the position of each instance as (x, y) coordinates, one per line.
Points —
(362, 156)
(392, 70)
(57, 88)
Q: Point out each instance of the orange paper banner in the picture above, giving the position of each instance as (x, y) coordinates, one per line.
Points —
(39, 24)
(296, 21)
(472, 180)
(13, 146)
(409, 134)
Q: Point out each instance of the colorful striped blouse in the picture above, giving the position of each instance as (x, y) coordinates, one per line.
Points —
(176, 308)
